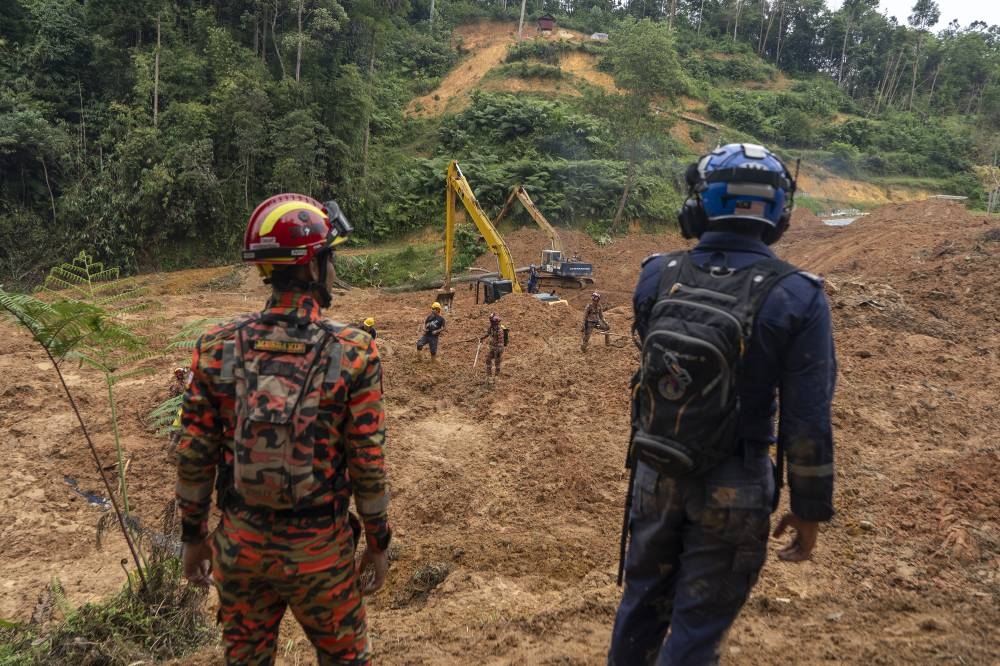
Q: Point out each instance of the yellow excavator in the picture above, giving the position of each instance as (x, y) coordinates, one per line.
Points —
(554, 270)
(494, 286)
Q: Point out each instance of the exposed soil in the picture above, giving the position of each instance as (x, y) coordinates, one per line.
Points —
(512, 492)
(487, 43)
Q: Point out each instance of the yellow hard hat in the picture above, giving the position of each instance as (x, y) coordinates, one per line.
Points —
(370, 321)
(435, 306)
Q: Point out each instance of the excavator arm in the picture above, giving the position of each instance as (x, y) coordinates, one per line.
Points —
(458, 186)
(518, 192)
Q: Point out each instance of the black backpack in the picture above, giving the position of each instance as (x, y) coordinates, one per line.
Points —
(685, 403)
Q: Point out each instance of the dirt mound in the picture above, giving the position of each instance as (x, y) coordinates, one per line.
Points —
(507, 496)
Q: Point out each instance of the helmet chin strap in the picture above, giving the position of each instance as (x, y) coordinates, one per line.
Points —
(323, 259)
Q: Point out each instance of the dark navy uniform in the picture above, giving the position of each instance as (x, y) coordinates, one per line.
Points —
(433, 326)
(698, 543)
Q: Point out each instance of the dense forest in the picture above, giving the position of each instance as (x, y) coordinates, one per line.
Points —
(144, 131)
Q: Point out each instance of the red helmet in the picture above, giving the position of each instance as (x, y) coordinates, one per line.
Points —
(494, 318)
(290, 229)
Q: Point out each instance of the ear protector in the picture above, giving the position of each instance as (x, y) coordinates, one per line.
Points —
(750, 191)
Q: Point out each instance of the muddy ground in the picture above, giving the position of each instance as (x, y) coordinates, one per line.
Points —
(507, 497)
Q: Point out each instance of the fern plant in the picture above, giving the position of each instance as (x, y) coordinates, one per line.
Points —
(84, 316)
(121, 300)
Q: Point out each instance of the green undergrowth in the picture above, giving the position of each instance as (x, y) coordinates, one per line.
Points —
(166, 622)
(418, 266)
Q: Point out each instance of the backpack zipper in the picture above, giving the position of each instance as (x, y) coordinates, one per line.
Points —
(678, 286)
(711, 308)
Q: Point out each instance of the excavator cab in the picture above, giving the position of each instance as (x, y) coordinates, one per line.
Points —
(551, 259)
(493, 289)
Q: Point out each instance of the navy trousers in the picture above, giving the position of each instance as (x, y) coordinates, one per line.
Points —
(697, 547)
(428, 340)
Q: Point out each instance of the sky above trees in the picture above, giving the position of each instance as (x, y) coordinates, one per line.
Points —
(966, 11)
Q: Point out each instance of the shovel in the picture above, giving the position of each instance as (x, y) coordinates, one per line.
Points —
(476, 360)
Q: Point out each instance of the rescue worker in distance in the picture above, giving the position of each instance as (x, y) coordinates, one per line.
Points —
(593, 318)
(368, 326)
(284, 416)
(699, 540)
(494, 354)
(433, 325)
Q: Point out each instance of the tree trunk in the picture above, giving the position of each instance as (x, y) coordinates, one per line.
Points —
(274, 39)
(894, 87)
(52, 198)
(156, 75)
(736, 24)
(368, 115)
(673, 13)
(767, 32)
(432, 16)
(83, 124)
(913, 81)
(256, 35)
(298, 54)
(263, 37)
(701, 15)
(843, 54)
(520, 23)
(629, 178)
(781, 33)
(937, 70)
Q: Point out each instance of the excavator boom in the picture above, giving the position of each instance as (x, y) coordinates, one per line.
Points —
(555, 270)
(457, 186)
(518, 192)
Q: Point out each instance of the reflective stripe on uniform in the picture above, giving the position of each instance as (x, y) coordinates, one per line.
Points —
(368, 507)
(333, 368)
(228, 361)
(811, 470)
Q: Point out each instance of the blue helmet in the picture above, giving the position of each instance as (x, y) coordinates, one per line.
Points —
(741, 182)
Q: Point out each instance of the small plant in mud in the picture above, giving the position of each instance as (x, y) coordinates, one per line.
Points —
(423, 581)
(157, 620)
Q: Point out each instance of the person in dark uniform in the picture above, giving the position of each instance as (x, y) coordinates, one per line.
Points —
(368, 326)
(532, 279)
(698, 542)
(433, 325)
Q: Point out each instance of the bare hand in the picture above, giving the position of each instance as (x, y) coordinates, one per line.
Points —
(197, 560)
(380, 562)
(801, 547)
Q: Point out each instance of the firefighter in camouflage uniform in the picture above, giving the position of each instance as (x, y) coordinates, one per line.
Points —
(284, 417)
(593, 318)
(495, 334)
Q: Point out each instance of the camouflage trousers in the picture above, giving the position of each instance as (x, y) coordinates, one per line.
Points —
(588, 328)
(262, 567)
(697, 547)
(493, 356)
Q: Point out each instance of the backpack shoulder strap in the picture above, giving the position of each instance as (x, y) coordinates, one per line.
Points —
(763, 277)
(668, 275)
(229, 348)
(674, 264)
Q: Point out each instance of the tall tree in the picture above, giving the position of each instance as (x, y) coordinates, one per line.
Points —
(925, 15)
(645, 67)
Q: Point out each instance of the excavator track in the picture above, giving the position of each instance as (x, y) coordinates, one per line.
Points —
(547, 282)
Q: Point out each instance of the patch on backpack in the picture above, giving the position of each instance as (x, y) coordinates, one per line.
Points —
(280, 346)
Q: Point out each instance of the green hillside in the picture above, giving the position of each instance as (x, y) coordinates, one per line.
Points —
(146, 131)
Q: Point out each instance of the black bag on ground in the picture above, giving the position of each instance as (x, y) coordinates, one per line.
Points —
(686, 406)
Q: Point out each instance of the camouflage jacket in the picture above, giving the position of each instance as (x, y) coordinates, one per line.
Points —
(495, 334)
(594, 313)
(351, 424)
